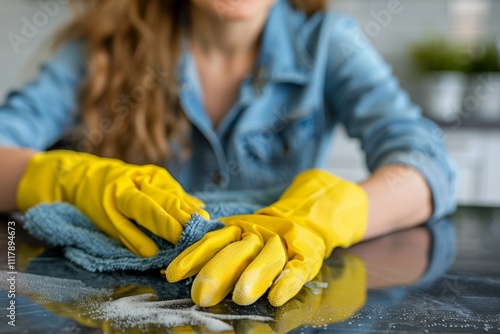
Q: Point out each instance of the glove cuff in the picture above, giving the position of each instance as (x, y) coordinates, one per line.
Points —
(335, 209)
(41, 179)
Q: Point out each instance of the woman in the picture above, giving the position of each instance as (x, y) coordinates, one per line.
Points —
(225, 95)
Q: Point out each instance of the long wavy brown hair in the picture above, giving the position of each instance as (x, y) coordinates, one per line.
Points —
(129, 100)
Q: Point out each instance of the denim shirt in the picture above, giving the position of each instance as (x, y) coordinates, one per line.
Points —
(312, 74)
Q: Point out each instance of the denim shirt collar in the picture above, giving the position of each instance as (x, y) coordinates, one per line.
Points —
(283, 56)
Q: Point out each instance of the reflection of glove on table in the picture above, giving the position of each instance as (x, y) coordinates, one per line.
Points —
(112, 193)
(61, 224)
(280, 247)
(335, 295)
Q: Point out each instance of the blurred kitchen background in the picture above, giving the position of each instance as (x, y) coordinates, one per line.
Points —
(445, 53)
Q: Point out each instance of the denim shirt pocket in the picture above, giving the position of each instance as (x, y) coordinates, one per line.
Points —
(275, 154)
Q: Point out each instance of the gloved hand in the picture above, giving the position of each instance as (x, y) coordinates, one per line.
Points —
(112, 193)
(280, 247)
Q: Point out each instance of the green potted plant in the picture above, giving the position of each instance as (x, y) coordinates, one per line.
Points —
(482, 99)
(444, 67)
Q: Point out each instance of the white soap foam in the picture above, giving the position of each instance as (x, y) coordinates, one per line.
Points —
(52, 289)
(140, 311)
(144, 310)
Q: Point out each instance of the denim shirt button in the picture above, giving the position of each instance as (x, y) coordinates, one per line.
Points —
(217, 178)
(259, 81)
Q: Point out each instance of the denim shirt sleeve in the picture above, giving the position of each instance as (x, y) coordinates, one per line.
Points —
(367, 99)
(37, 115)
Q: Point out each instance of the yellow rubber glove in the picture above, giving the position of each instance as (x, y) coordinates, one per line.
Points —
(112, 193)
(280, 247)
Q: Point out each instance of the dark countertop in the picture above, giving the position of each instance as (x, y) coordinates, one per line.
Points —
(444, 277)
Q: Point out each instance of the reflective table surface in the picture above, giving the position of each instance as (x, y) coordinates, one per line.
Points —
(442, 277)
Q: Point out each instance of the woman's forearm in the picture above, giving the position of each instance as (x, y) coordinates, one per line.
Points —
(13, 162)
(399, 198)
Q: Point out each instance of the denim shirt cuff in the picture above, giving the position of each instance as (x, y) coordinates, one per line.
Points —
(5, 142)
(441, 181)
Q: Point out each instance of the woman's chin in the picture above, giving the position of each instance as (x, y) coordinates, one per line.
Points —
(238, 10)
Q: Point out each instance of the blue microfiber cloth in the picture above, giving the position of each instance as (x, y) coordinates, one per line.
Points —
(63, 225)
